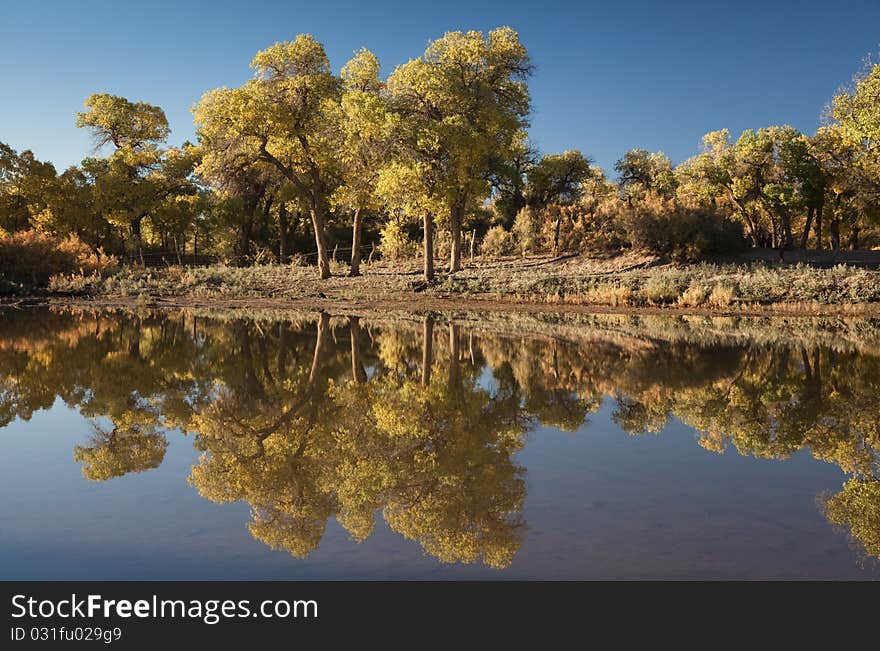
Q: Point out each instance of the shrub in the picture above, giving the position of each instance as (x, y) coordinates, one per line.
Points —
(602, 229)
(694, 296)
(497, 242)
(721, 296)
(31, 258)
(614, 295)
(526, 231)
(442, 244)
(661, 289)
(681, 232)
(395, 243)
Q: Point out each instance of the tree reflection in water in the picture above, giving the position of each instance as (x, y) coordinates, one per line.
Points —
(418, 421)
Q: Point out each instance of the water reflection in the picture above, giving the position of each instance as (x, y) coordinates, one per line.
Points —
(419, 421)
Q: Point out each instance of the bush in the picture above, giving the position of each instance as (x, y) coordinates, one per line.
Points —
(31, 258)
(497, 242)
(602, 229)
(395, 243)
(721, 296)
(442, 244)
(663, 288)
(684, 233)
(694, 296)
(526, 231)
(614, 295)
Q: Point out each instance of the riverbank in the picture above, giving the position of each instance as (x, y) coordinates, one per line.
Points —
(628, 283)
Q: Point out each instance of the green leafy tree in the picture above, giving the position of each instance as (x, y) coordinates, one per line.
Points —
(283, 117)
(367, 130)
(642, 171)
(139, 175)
(468, 100)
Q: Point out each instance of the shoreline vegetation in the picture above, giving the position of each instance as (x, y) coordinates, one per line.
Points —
(627, 284)
(301, 167)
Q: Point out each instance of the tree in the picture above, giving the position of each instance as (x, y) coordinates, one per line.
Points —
(857, 111)
(408, 186)
(849, 149)
(469, 99)
(507, 175)
(557, 178)
(238, 176)
(70, 208)
(641, 171)
(857, 507)
(762, 175)
(367, 130)
(117, 453)
(138, 175)
(26, 185)
(804, 171)
(283, 117)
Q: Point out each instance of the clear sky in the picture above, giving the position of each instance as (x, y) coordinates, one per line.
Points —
(610, 76)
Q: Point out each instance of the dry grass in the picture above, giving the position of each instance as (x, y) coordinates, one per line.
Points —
(622, 281)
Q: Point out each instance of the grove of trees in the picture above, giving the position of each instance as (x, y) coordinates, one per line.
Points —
(300, 163)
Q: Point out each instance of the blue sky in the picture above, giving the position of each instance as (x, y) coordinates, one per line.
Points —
(610, 76)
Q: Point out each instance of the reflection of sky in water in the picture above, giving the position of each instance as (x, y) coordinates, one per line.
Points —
(600, 504)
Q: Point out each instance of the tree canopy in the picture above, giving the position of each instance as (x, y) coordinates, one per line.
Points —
(302, 164)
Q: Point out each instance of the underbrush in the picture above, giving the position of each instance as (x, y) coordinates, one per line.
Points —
(29, 260)
(702, 286)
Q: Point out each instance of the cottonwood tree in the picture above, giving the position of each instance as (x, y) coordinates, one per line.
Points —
(239, 177)
(408, 186)
(136, 131)
(26, 184)
(857, 111)
(469, 98)
(643, 171)
(367, 130)
(507, 176)
(284, 117)
(749, 175)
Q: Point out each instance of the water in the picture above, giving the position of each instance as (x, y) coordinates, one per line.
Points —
(178, 445)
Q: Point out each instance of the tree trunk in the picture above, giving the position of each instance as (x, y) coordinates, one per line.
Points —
(456, 215)
(134, 231)
(428, 247)
(358, 373)
(282, 233)
(427, 349)
(283, 347)
(835, 233)
(854, 237)
(819, 209)
(785, 230)
(319, 224)
(245, 244)
(356, 244)
(806, 236)
(556, 230)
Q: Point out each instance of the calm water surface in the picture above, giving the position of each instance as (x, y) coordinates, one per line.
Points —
(177, 446)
